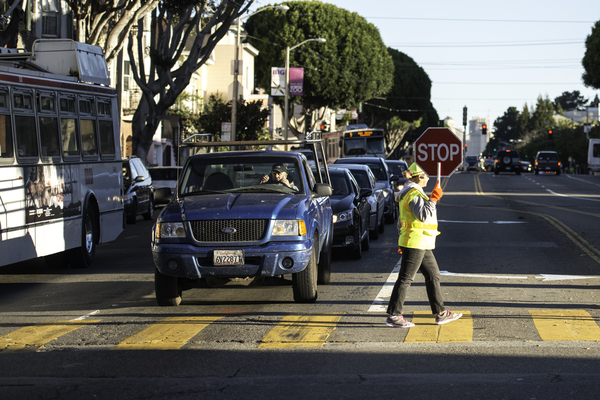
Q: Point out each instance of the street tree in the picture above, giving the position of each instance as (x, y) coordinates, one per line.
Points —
(570, 101)
(183, 36)
(409, 97)
(352, 66)
(396, 131)
(591, 58)
(506, 127)
(108, 22)
(542, 117)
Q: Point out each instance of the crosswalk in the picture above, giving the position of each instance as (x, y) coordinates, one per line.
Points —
(297, 331)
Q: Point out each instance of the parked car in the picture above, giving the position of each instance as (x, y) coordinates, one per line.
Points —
(138, 192)
(384, 182)
(396, 168)
(508, 161)
(164, 180)
(547, 161)
(526, 166)
(488, 163)
(244, 214)
(351, 213)
(366, 180)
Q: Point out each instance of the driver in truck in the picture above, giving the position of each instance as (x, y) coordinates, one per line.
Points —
(278, 175)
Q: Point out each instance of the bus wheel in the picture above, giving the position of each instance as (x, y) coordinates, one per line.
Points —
(84, 255)
(167, 289)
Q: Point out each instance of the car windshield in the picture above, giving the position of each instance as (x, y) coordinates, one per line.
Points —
(340, 185)
(548, 157)
(396, 168)
(361, 178)
(241, 174)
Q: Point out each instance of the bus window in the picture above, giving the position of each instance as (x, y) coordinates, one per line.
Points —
(69, 136)
(26, 136)
(107, 140)
(88, 137)
(6, 142)
(49, 137)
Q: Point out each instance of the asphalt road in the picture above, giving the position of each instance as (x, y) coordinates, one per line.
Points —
(521, 260)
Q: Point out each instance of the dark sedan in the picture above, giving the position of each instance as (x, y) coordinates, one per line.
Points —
(351, 213)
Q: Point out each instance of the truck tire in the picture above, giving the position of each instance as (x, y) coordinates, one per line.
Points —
(167, 289)
(324, 268)
(304, 283)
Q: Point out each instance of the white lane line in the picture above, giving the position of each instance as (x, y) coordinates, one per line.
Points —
(571, 197)
(483, 276)
(544, 277)
(86, 316)
(383, 297)
(581, 180)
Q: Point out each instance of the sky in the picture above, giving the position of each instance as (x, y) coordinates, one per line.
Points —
(486, 55)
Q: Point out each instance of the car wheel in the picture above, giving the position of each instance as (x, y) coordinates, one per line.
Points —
(132, 218)
(382, 224)
(304, 283)
(536, 172)
(166, 289)
(324, 268)
(496, 172)
(357, 251)
(518, 172)
(83, 256)
(557, 172)
(366, 242)
(150, 214)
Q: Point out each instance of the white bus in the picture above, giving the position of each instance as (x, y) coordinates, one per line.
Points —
(60, 158)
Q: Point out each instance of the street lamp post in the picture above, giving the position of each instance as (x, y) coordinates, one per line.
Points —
(287, 81)
(236, 69)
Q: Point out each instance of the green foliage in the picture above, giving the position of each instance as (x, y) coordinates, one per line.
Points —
(570, 100)
(506, 127)
(351, 67)
(251, 117)
(411, 90)
(189, 119)
(591, 58)
(543, 116)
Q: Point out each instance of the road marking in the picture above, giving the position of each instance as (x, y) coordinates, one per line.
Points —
(545, 277)
(582, 180)
(31, 338)
(383, 297)
(565, 325)
(446, 273)
(482, 222)
(300, 331)
(168, 334)
(574, 197)
(426, 331)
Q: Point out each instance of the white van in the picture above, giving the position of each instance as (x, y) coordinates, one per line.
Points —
(594, 156)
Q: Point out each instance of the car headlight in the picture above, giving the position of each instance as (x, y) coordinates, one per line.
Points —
(167, 230)
(289, 227)
(385, 193)
(343, 216)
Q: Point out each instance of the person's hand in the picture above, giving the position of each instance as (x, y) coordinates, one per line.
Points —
(284, 180)
(437, 192)
(264, 179)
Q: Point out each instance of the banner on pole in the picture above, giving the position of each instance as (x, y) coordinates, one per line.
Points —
(296, 81)
(277, 81)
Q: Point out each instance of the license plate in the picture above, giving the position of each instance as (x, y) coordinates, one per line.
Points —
(228, 257)
(548, 168)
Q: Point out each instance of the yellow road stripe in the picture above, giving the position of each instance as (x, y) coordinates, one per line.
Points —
(168, 334)
(300, 331)
(31, 338)
(426, 331)
(565, 325)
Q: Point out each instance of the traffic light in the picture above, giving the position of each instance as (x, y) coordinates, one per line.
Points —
(324, 127)
(484, 129)
(550, 134)
(464, 116)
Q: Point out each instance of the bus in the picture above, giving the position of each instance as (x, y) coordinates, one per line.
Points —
(354, 141)
(61, 184)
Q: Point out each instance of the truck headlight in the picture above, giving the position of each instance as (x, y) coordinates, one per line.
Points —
(343, 216)
(289, 227)
(167, 230)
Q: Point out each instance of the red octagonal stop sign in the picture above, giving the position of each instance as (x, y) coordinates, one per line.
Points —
(438, 145)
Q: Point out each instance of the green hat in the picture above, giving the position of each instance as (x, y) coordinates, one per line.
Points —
(414, 170)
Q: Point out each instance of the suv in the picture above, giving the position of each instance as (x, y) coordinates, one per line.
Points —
(547, 161)
(138, 192)
(508, 161)
(245, 215)
(384, 182)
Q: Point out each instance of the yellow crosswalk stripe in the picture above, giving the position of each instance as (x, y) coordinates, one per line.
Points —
(300, 331)
(31, 338)
(565, 325)
(426, 331)
(168, 334)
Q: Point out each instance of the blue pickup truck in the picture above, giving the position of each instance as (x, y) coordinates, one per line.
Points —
(249, 215)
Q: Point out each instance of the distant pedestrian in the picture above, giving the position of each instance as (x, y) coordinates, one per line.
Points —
(418, 228)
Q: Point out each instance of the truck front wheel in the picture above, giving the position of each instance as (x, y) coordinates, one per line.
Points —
(304, 283)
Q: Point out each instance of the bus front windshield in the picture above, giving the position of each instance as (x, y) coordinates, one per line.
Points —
(373, 146)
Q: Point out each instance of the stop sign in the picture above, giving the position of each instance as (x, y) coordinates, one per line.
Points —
(438, 145)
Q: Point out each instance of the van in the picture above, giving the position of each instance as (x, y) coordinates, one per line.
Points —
(594, 156)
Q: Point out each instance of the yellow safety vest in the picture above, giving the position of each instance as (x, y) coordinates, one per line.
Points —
(415, 234)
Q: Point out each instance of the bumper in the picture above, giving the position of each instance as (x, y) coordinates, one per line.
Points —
(189, 261)
(342, 234)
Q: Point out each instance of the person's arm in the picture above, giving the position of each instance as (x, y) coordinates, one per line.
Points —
(422, 209)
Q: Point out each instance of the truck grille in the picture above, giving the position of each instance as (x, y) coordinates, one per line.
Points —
(246, 230)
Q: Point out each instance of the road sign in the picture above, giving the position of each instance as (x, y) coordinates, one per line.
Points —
(438, 145)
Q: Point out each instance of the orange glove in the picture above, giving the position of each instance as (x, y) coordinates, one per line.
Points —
(399, 250)
(437, 192)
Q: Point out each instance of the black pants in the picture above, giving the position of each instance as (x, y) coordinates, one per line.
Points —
(412, 261)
